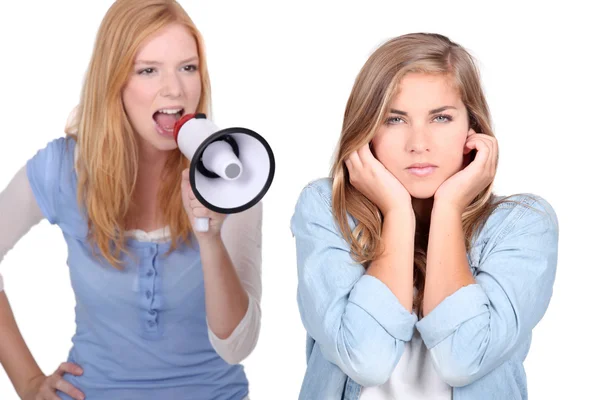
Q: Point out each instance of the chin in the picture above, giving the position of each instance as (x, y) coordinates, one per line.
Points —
(421, 191)
(164, 144)
(157, 141)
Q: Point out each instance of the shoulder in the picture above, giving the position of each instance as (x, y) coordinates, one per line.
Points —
(313, 205)
(51, 176)
(520, 214)
(53, 155)
(317, 190)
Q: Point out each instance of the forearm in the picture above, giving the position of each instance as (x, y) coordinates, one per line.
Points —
(394, 266)
(15, 357)
(226, 299)
(447, 265)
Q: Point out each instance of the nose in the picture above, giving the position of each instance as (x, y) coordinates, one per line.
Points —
(171, 86)
(418, 140)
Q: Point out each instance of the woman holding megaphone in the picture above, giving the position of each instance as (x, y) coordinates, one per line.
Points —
(166, 306)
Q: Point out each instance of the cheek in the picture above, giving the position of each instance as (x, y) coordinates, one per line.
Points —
(194, 89)
(137, 99)
(386, 146)
(455, 157)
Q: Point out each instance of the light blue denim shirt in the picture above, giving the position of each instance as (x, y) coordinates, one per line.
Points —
(478, 337)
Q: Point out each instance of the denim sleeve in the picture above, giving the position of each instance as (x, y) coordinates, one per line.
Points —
(357, 321)
(479, 327)
(43, 172)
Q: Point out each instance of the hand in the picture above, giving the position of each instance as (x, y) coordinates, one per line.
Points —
(460, 189)
(44, 387)
(195, 209)
(372, 179)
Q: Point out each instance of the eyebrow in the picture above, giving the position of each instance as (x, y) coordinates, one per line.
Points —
(434, 111)
(188, 60)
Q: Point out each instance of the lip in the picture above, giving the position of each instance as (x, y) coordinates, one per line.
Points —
(421, 169)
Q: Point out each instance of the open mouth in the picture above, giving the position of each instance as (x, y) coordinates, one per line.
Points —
(166, 119)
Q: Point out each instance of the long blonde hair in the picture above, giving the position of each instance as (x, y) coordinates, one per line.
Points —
(366, 109)
(107, 164)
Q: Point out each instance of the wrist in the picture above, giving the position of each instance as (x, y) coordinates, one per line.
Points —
(442, 210)
(401, 214)
(209, 238)
(30, 388)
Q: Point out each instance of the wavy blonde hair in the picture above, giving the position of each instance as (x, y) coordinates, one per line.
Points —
(107, 164)
(366, 109)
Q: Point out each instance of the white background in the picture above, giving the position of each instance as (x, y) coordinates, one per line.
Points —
(285, 69)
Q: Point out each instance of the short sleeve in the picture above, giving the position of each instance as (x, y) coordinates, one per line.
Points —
(44, 172)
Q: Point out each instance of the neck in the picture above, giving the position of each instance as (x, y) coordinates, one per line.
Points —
(422, 208)
(151, 158)
(144, 213)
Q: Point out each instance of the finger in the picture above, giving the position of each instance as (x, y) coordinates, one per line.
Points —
(355, 160)
(185, 174)
(471, 135)
(48, 389)
(365, 154)
(494, 156)
(482, 152)
(69, 367)
(50, 394)
(69, 389)
(491, 144)
(348, 165)
(200, 212)
(190, 192)
(195, 203)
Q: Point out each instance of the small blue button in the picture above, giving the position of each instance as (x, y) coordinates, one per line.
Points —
(150, 324)
(152, 312)
(148, 294)
(150, 272)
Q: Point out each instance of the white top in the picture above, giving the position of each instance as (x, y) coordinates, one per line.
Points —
(414, 378)
(241, 235)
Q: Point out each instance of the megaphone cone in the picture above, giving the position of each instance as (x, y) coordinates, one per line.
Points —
(230, 169)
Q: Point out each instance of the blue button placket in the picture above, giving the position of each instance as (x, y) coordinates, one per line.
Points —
(149, 274)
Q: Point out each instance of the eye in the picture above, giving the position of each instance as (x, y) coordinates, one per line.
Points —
(146, 71)
(190, 68)
(394, 121)
(442, 118)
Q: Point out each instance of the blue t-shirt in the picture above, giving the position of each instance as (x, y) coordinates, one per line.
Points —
(141, 332)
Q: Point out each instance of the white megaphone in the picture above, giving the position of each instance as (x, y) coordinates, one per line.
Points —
(230, 169)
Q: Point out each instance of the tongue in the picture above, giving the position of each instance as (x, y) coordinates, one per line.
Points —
(166, 121)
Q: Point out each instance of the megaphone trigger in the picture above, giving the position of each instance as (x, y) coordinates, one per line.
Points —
(201, 224)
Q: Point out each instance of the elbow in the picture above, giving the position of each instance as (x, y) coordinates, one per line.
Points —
(369, 365)
(454, 372)
(456, 377)
(239, 355)
(374, 374)
(235, 355)
(233, 358)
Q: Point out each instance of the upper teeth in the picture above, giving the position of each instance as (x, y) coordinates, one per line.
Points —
(170, 111)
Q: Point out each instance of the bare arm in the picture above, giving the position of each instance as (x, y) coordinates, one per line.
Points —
(237, 249)
(447, 266)
(19, 211)
(395, 266)
(242, 238)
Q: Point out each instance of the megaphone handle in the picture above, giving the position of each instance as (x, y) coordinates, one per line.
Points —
(201, 224)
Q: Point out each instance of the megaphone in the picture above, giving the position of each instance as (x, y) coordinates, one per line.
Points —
(230, 169)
